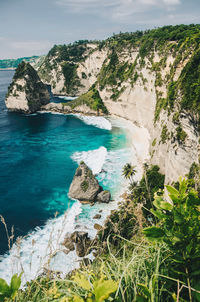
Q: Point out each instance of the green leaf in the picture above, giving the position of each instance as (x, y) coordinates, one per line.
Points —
(193, 198)
(82, 281)
(104, 289)
(196, 273)
(144, 290)
(178, 218)
(160, 215)
(153, 233)
(182, 186)
(140, 298)
(172, 190)
(4, 288)
(15, 282)
(175, 240)
(163, 205)
(77, 299)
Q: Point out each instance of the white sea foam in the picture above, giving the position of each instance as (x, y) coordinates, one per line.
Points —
(67, 98)
(52, 112)
(98, 121)
(94, 158)
(33, 252)
(35, 249)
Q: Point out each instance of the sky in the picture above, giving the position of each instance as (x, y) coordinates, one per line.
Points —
(32, 27)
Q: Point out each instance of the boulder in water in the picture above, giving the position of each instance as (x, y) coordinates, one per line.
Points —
(84, 186)
(104, 196)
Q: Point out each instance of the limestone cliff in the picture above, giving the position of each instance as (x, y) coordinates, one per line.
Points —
(151, 78)
(27, 93)
(72, 69)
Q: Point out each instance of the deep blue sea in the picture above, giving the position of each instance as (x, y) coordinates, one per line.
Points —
(39, 154)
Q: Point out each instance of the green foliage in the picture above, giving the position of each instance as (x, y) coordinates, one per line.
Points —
(175, 118)
(71, 52)
(153, 142)
(164, 134)
(84, 185)
(92, 99)
(189, 83)
(115, 72)
(84, 76)
(179, 228)
(129, 171)
(194, 170)
(71, 78)
(150, 183)
(171, 94)
(10, 291)
(95, 288)
(180, 134)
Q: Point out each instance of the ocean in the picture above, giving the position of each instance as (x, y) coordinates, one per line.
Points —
(39, 154)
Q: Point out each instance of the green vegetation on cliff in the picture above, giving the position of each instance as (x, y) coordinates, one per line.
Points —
(181, 42)
(68, 57)
(92, 99)
(150, 60)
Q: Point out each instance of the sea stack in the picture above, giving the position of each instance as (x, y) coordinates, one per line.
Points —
(27, 93)
(85, 186)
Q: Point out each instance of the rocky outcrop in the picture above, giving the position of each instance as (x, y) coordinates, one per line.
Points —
(68, 109)
(27, 93)
(78, 241)
(85, 186)
(104, 196)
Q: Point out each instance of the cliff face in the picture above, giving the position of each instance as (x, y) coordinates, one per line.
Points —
(26, 93)
(72, 69)
(150, 78)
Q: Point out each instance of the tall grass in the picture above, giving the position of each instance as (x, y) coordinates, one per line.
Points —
(135, 263)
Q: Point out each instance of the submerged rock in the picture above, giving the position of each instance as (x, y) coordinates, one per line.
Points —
(27, 93)
(84, 186)
(97, 216)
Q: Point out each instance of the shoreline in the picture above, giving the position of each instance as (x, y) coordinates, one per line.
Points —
(65, 221)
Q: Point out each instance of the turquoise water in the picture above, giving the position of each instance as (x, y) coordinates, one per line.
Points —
(38, 157)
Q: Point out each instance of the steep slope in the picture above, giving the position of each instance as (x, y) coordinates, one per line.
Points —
(151, 78)
(72, 69)
(26, 93)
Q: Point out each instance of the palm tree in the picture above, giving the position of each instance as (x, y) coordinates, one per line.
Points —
(128, 172)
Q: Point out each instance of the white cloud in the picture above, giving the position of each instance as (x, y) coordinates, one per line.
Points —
(172, 2)
(96, 5)
(118, 10)
(88, 5)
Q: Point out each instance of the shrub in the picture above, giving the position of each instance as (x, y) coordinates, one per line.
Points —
(164, 134)
(180, 134)
(179, 229)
